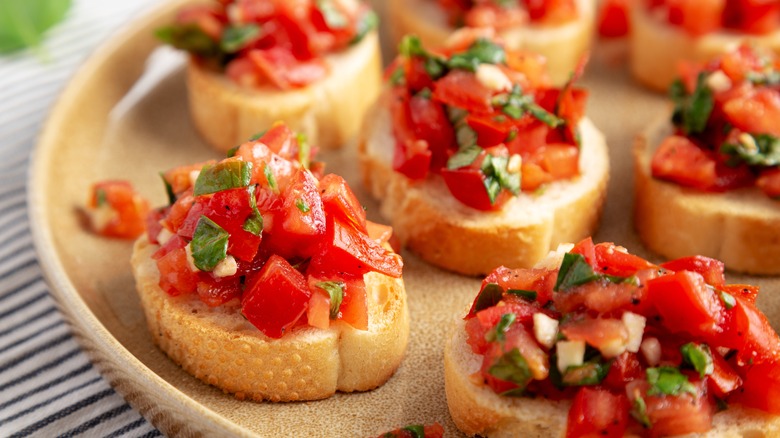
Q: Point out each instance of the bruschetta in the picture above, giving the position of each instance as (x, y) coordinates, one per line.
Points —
(266, 281)
(478, 161)
(595, 341)
(667, 32)
(561, 30)
(707, 181)
(314, 64)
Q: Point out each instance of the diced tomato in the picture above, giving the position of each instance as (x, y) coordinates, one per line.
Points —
(561, 161)
(614, 260)
(318, 311)
(540, 281)
(205, 17)
(686, 304)
(484, 320)
(749, 331)
(411, 157)
(605, 334)
(379, 232)
(712, 270)
(284, 71)
(461, 88)
(747, 292)
(275, 298)
(551, 11)
(723, 379)
(494, 16)
(533, 177)
(153, 225)
(613, 18)
(769, 182)
(434, 430)
(624, 369)
(354, 307)
(604, 296)
(752, 16)
(467, 185)
(597, 412)
(117, 210)
(674, 415)
(530, 136)
(417, 78)
(736, 64)
(533, 67)
(516, 337)
(432, 126)
(346, 250)
(176, 276)
(217, 291)
(697, 17)
(300, 225)
(680, 160)
(230, 209)
(281, 140)
(755, 112)
(761, 388)
(180, 178)
(338, 199)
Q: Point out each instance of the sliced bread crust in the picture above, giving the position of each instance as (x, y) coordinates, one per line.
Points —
(657, 48)
(561, 45)
(330, 110)
(477, 410)
(220, 347)
(446, 233)
(739, 227)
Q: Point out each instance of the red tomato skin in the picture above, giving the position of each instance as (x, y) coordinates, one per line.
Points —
(755, 112)
(613, 260)
(613, 19)
(685, 304)
(597, 412)
(596, 332)
(129, 208)
(229, 209)
(432, 126)
(338, 199)
(674, 415)
(537, 280)
(712, 270)
(176, 277)
(299, 226)
(723, 379)
(461, 88)
(275, 298)
(354, 307)
(679, 160)
(624, 369)
(761, 388)
(345, 250)
(697, 17)
(467, 185)
(749, 331)
(217, 291)
(769, 183)
(153, 225)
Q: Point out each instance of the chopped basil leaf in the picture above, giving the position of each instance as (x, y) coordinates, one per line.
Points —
(482, 51)
(514, 112)
(416, 430)
(512, 367)
(529, 295)
(768, 78)
(511, 135)
(101, 198)
(398, 77)
(489, 296)
(699, 356)
(495, 168)
(335, 290)
(302, 205)
(304, 150)
(191, 38)
(232, 151)
(254, 223)
(465, 135)
(223, 176)
(669, 381)
(464, 157)
(257, 136)
(435, 67)
(754, 149)
(410, 45)
(425, 93)
(728, 300)
(235, 38)
(515, 104)
(269, 176)
(544, 116)
(334, 18)
(209, 244)
(639, 412)
(589, 373)
(691, 112)
(168, 190)
(497, 333)
(574, 271)
(365, 24)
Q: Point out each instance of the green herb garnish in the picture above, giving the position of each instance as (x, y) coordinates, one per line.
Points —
(639, 412)
(668, 381)
(333, 17)
(497, 333)
(464, 157)
(754, 149)
(235, 38)
(365, 24)
(302, 205)
(575, 270)
(728, 300)
(398, 76)
(489, 296)
(304, 150)
(224, 175)
(209, 244)
(335, 290)
(497, 174)
(191, 38)
(269, 176)
(168, 190)
(589, 373)
(416, 430)
(515, 104)
(23, 23)
(529, 295)
(254, 223)
(699, 356)
(512, 367)
(691, 112)
(482, 51)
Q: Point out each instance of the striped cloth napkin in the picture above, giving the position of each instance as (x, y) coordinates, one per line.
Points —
(48, 387)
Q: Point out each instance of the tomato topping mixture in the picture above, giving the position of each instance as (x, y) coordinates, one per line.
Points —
(699, 17)
(434, 430)
(727, 125)
(640, 349)
(116, 210)
(265, 228)
(483, 118)
(613, 18)
(280, 43)
(505, 14)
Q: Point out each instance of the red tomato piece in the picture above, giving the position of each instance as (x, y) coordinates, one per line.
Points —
(411, 156)
(597, 412)
(755, 112)
(279, 139)
(674, 415)
(153, 225)
(217, 291)
(354, 307)
(417, 78)
(747, 292)
(749, 331)
(686, 304)
(769, 182)
(300, 224)
(516, 337)
(117, 210)
(533, 177)
(614, 260)
(230, 209)
(697, 17)
(540, 281)
(338, 199)
(467, 185)
(434, 430)
(561, 161)
(712, 270)
(613, 19)
(761, 388)
(605, 334)
(275, 298)
(346, 250)
(284, 71)
(180, 178)
(723, 379)
(624, 369)
(551, 11)
(681, 161)
(752, 16)
(318, 311)
(432, 126)
(461, 88)
(176, 276)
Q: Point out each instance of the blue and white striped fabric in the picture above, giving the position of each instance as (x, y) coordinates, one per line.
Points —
(48, 387)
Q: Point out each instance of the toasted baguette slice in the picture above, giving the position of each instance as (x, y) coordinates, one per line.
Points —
(562, 46)
(739, 227)
(657, 48)
(446, 233)
(330, 111)
(477, 410)
(220, 347)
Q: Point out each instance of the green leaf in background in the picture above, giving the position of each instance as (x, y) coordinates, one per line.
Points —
(23, 22)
